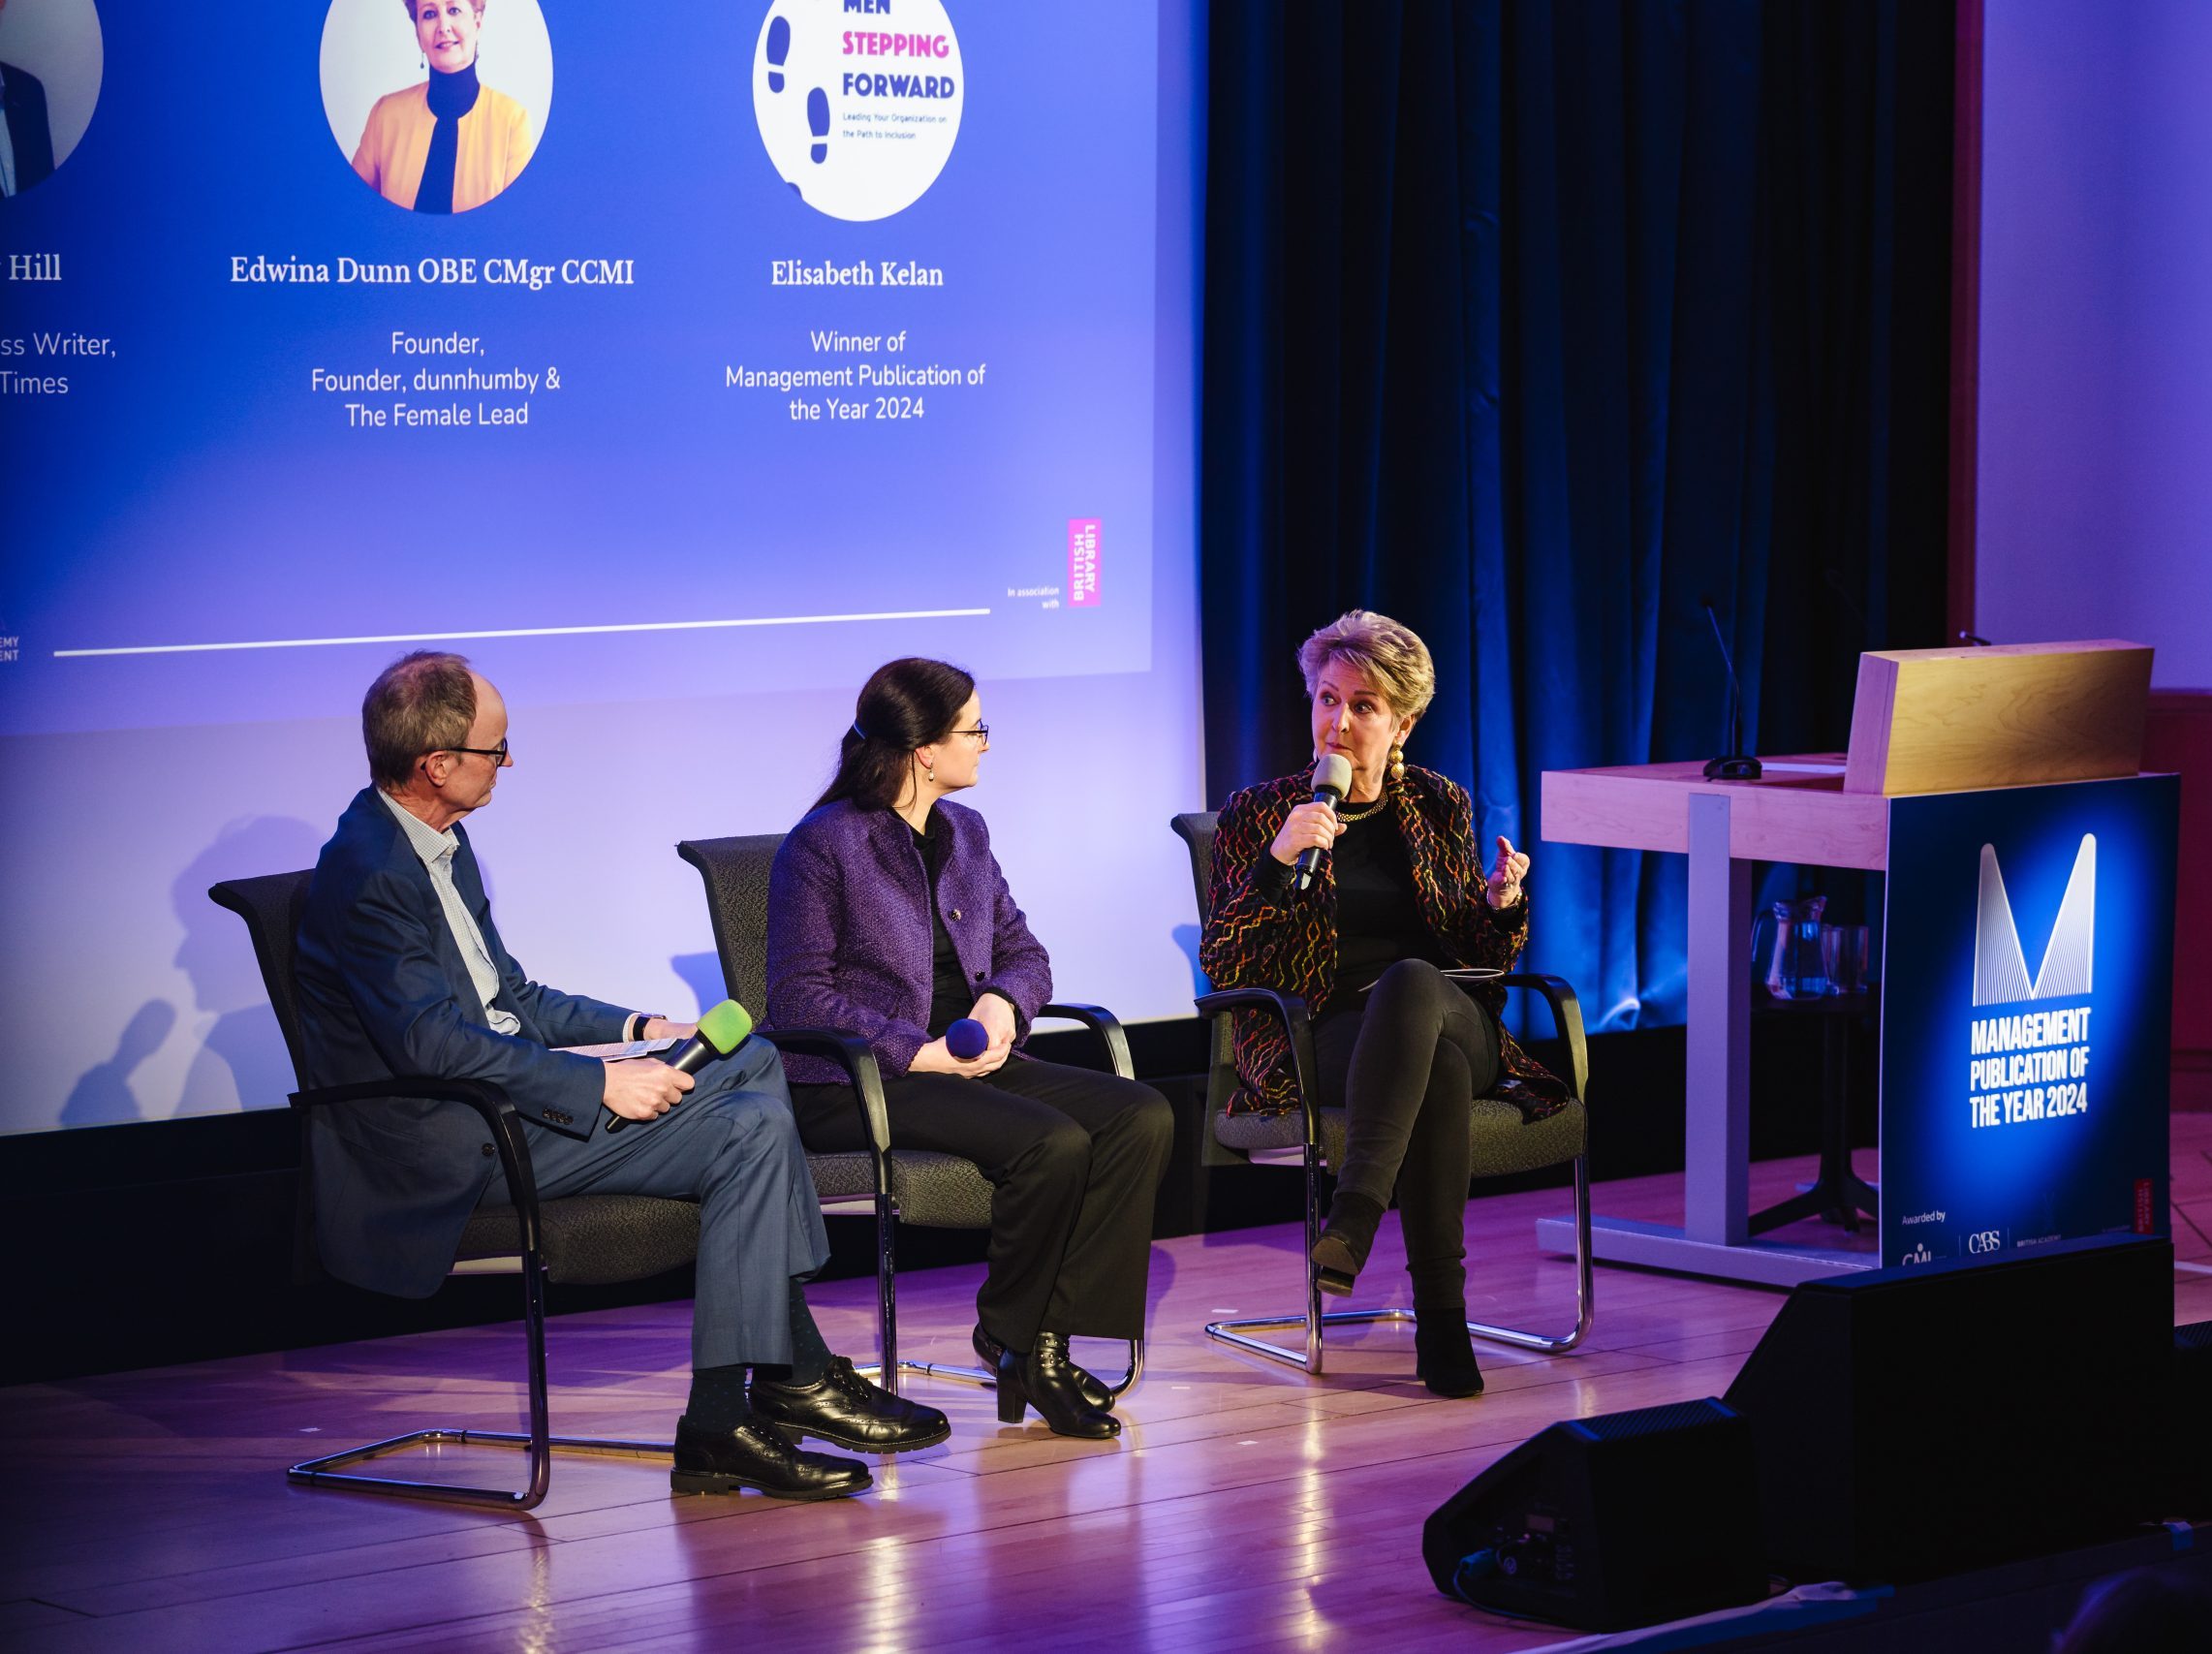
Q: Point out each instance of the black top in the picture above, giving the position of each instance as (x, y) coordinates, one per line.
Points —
(1377, 915)
(950, 997)
(451, 96)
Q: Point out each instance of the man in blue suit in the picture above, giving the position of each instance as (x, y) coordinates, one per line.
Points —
(401, 971)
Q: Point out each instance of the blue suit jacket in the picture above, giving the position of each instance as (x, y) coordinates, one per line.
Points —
(383, 992)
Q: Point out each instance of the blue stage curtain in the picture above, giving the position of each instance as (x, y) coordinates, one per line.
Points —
(1534, 325)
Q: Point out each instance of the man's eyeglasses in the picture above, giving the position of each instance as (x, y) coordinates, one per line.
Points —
(497, 754)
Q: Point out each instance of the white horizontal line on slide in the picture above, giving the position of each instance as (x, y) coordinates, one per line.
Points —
(522, 632)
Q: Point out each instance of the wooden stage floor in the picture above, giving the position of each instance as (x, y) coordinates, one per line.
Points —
(1246, 1507)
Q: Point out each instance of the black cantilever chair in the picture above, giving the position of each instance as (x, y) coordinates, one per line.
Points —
(1315, 1136)
(931, 1190)
(581, 1240)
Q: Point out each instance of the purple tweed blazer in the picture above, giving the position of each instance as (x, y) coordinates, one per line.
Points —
(849, 932)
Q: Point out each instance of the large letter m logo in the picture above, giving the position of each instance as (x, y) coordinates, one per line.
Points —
(2001, 969)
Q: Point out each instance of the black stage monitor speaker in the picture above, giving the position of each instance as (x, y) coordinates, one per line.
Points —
(1626, 1519)
(1920, 1421)
(2189, 1426)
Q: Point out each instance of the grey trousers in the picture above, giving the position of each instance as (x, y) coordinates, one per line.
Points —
(732, 1147)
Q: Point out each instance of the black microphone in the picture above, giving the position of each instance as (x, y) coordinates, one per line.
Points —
(1737, 764)
(721, 1031)
(1332, 779)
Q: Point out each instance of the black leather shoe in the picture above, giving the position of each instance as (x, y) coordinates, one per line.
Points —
(843, 1407)
(1045, 1379)
(754, 1456)
(1092, 1387)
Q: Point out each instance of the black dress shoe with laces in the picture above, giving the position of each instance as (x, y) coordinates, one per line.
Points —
(1092, 1387)
(1045, 1379)
(843, 1407)
(757, 1457)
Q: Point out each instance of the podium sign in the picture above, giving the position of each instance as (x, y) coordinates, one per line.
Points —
(2026, 1016)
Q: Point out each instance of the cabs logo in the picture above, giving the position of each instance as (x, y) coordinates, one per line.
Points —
(1983, 1241)
(2000, 966)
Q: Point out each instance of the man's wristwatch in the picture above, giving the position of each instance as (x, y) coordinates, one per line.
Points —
(638, 1020)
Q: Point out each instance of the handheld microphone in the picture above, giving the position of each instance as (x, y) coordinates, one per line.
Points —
(1737, 764)
(1332, 779)
(721, 1031)
(967, 1039)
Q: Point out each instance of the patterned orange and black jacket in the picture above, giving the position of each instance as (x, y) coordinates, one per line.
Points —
(1289, 942)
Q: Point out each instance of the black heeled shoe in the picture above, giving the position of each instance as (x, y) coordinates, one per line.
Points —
(1094, 1388)
(1340, 1252)
(1045, 1379)
(1444, 1354)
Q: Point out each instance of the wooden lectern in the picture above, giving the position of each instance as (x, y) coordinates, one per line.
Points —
(1924, 721)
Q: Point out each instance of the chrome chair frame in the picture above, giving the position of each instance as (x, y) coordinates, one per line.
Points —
(539, 1442)
(1567, 1016)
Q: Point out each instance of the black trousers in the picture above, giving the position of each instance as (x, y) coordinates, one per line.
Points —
(1406, 1066)
(1074, 1158)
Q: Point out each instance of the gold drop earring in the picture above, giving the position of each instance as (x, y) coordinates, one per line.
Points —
(1397, 765)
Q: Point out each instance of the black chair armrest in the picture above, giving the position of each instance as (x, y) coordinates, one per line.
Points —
(1566, 1018)
(499, 1115)
(1101, 1023)
(853, 1055)
(1291, 1011)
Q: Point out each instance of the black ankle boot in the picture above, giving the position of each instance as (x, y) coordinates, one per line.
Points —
(1340, 1252)
(1444, 1355)
(1094, 1389)
(1045, 1379)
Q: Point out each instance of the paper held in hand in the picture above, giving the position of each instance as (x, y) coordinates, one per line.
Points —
(621, 1051)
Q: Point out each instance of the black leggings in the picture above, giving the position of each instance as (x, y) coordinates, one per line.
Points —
(1406, 1067)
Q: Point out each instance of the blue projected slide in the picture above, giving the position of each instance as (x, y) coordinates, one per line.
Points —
(679, 366)
(750, 319)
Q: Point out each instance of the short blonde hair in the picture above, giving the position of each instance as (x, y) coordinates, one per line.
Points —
(1387, 654)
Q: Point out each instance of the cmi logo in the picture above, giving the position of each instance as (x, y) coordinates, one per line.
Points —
(2000, 966)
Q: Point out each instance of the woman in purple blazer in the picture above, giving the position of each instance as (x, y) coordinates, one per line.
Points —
(888, 916)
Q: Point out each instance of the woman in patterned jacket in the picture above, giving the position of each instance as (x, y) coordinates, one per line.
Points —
(1400, 898)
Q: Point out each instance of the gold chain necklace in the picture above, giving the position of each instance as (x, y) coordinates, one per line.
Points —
(1348, 816)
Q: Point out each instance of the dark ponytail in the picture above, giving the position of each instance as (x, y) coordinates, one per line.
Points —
(908, 703)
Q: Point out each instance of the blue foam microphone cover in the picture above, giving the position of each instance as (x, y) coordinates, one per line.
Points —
(967, 1039)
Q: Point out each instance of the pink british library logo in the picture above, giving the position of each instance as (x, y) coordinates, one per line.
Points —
(1082, 562)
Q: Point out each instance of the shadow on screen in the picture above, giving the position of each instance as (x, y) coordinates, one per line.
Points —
(1187, 939)
(101, 1095)
(701, 973)
(243, 1063)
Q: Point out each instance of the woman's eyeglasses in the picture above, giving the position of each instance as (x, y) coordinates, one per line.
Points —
(981, 732)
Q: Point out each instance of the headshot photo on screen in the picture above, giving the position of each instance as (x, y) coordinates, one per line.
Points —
(49, 80)
(439, 104)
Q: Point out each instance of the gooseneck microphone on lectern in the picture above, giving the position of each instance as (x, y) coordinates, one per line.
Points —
(721, 1031)
(1737, 764)
(1332, 779)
